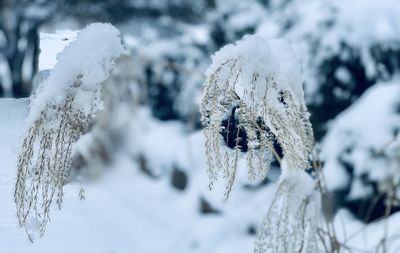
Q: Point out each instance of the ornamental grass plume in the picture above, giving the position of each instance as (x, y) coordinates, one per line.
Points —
(59, 114)
(291, 222)
(252, 99)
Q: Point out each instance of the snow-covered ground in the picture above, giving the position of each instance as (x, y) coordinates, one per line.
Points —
(126, 210)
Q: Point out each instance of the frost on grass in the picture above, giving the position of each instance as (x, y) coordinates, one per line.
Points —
(59, 114)
(256, 85)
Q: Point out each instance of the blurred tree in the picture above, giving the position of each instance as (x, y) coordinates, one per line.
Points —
(123, 10)
(20, 21)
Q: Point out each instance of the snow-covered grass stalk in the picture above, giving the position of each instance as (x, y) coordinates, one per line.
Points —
(292, 219)
(256, 85)
(59, 113)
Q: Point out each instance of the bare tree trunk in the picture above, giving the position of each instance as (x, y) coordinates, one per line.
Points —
(21, 46)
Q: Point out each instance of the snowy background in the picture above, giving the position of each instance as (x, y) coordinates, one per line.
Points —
(146, 182)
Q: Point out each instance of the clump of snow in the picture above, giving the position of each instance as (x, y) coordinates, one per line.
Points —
(302, 183)
(269, 59)
(89, 58)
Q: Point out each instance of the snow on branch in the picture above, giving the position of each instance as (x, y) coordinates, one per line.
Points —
(59, 114)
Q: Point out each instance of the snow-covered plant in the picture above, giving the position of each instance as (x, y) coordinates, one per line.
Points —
(252, 97)
(365, 167)
(255, 85)
(292, 220)
(59, 113)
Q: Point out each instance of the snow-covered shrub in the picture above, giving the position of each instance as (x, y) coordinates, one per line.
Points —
(361, 152)
(345, 46)
(257, 85)
(70, 97)
(170, 72)
(231, 20)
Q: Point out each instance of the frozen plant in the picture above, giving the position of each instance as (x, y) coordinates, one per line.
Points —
(66, 102)
(252, 97)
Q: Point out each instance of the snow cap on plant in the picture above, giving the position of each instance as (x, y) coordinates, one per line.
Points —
(257, 85)
(59, 113)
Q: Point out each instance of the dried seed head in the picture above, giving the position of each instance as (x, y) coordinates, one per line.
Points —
(292, 220)
(59, 114)
(257, 86)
